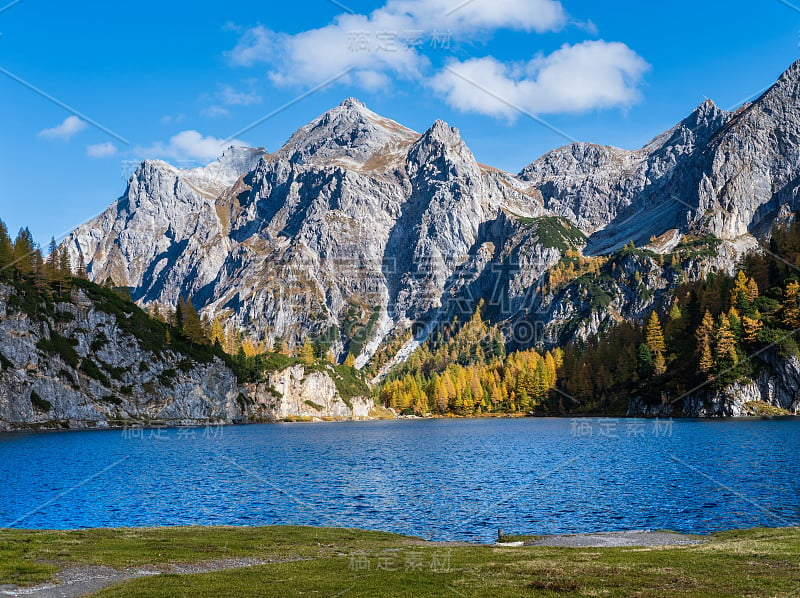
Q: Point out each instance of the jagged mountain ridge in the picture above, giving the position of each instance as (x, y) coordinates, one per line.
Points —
(358, 226)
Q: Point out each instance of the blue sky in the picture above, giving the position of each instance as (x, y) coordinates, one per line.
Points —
(171, 80)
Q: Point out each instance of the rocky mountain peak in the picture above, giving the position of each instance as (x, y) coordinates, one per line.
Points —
(353, 104)
(706, 112)
(783, 97)
(350, 131)
(442, 132)
(438, 151)
(790, 77)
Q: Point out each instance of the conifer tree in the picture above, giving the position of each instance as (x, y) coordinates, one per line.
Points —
(64, 264)
(656, 344)
(706, 358)
(81, 271)
(739, 294)
(250, 349)
(725, 342)
(217, 335)
(644, 359)
(752, 326)
(655, 335)
(190, 323)
(330, 356)
(439, 396)
(231, 346)
(6, 248)
(307, 353)
(23, 253)
(791, 306)
(752, 292)
(51, 264)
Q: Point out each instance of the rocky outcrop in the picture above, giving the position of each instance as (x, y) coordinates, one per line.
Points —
(81, 362)
(298, 392)
(774, 391)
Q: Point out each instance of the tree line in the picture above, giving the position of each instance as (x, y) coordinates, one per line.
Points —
(24, 256)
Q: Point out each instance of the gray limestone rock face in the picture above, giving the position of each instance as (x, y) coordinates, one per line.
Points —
(78, 368)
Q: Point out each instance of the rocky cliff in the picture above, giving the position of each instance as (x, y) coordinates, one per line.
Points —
(85, 358)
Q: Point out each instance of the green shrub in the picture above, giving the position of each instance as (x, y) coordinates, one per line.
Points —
(115, 372)
(350, 384)
(39, 403)
(167, 377)
(90, 368)
(558, 233)
(100, 341)
(61, 346)
(63, 317)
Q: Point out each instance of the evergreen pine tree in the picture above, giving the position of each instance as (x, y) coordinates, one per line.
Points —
(191, 324)
(24, 248)
(51, 264)
(6, 248)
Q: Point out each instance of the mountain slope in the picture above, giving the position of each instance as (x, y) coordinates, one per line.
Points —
(359, 230)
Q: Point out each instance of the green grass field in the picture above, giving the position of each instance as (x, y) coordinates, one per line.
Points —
(351, 563)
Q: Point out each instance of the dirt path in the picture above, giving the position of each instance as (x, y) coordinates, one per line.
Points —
(617, 540)
(82, 581)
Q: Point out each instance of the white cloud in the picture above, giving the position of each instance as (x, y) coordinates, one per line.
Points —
(65, 131)
(388, 40)
(256, 45)
(392, 42)
(519, 15)
(188, 145)
(172, 120)
(101, 150)
(233, 97)
(355, 43)
(215, 112)
(586, 76)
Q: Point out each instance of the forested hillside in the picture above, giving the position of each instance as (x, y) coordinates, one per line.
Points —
(706, 337)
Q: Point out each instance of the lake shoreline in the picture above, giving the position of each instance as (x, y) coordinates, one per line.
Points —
(157, 425)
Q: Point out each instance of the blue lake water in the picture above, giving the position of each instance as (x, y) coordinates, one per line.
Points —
(438, 479)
